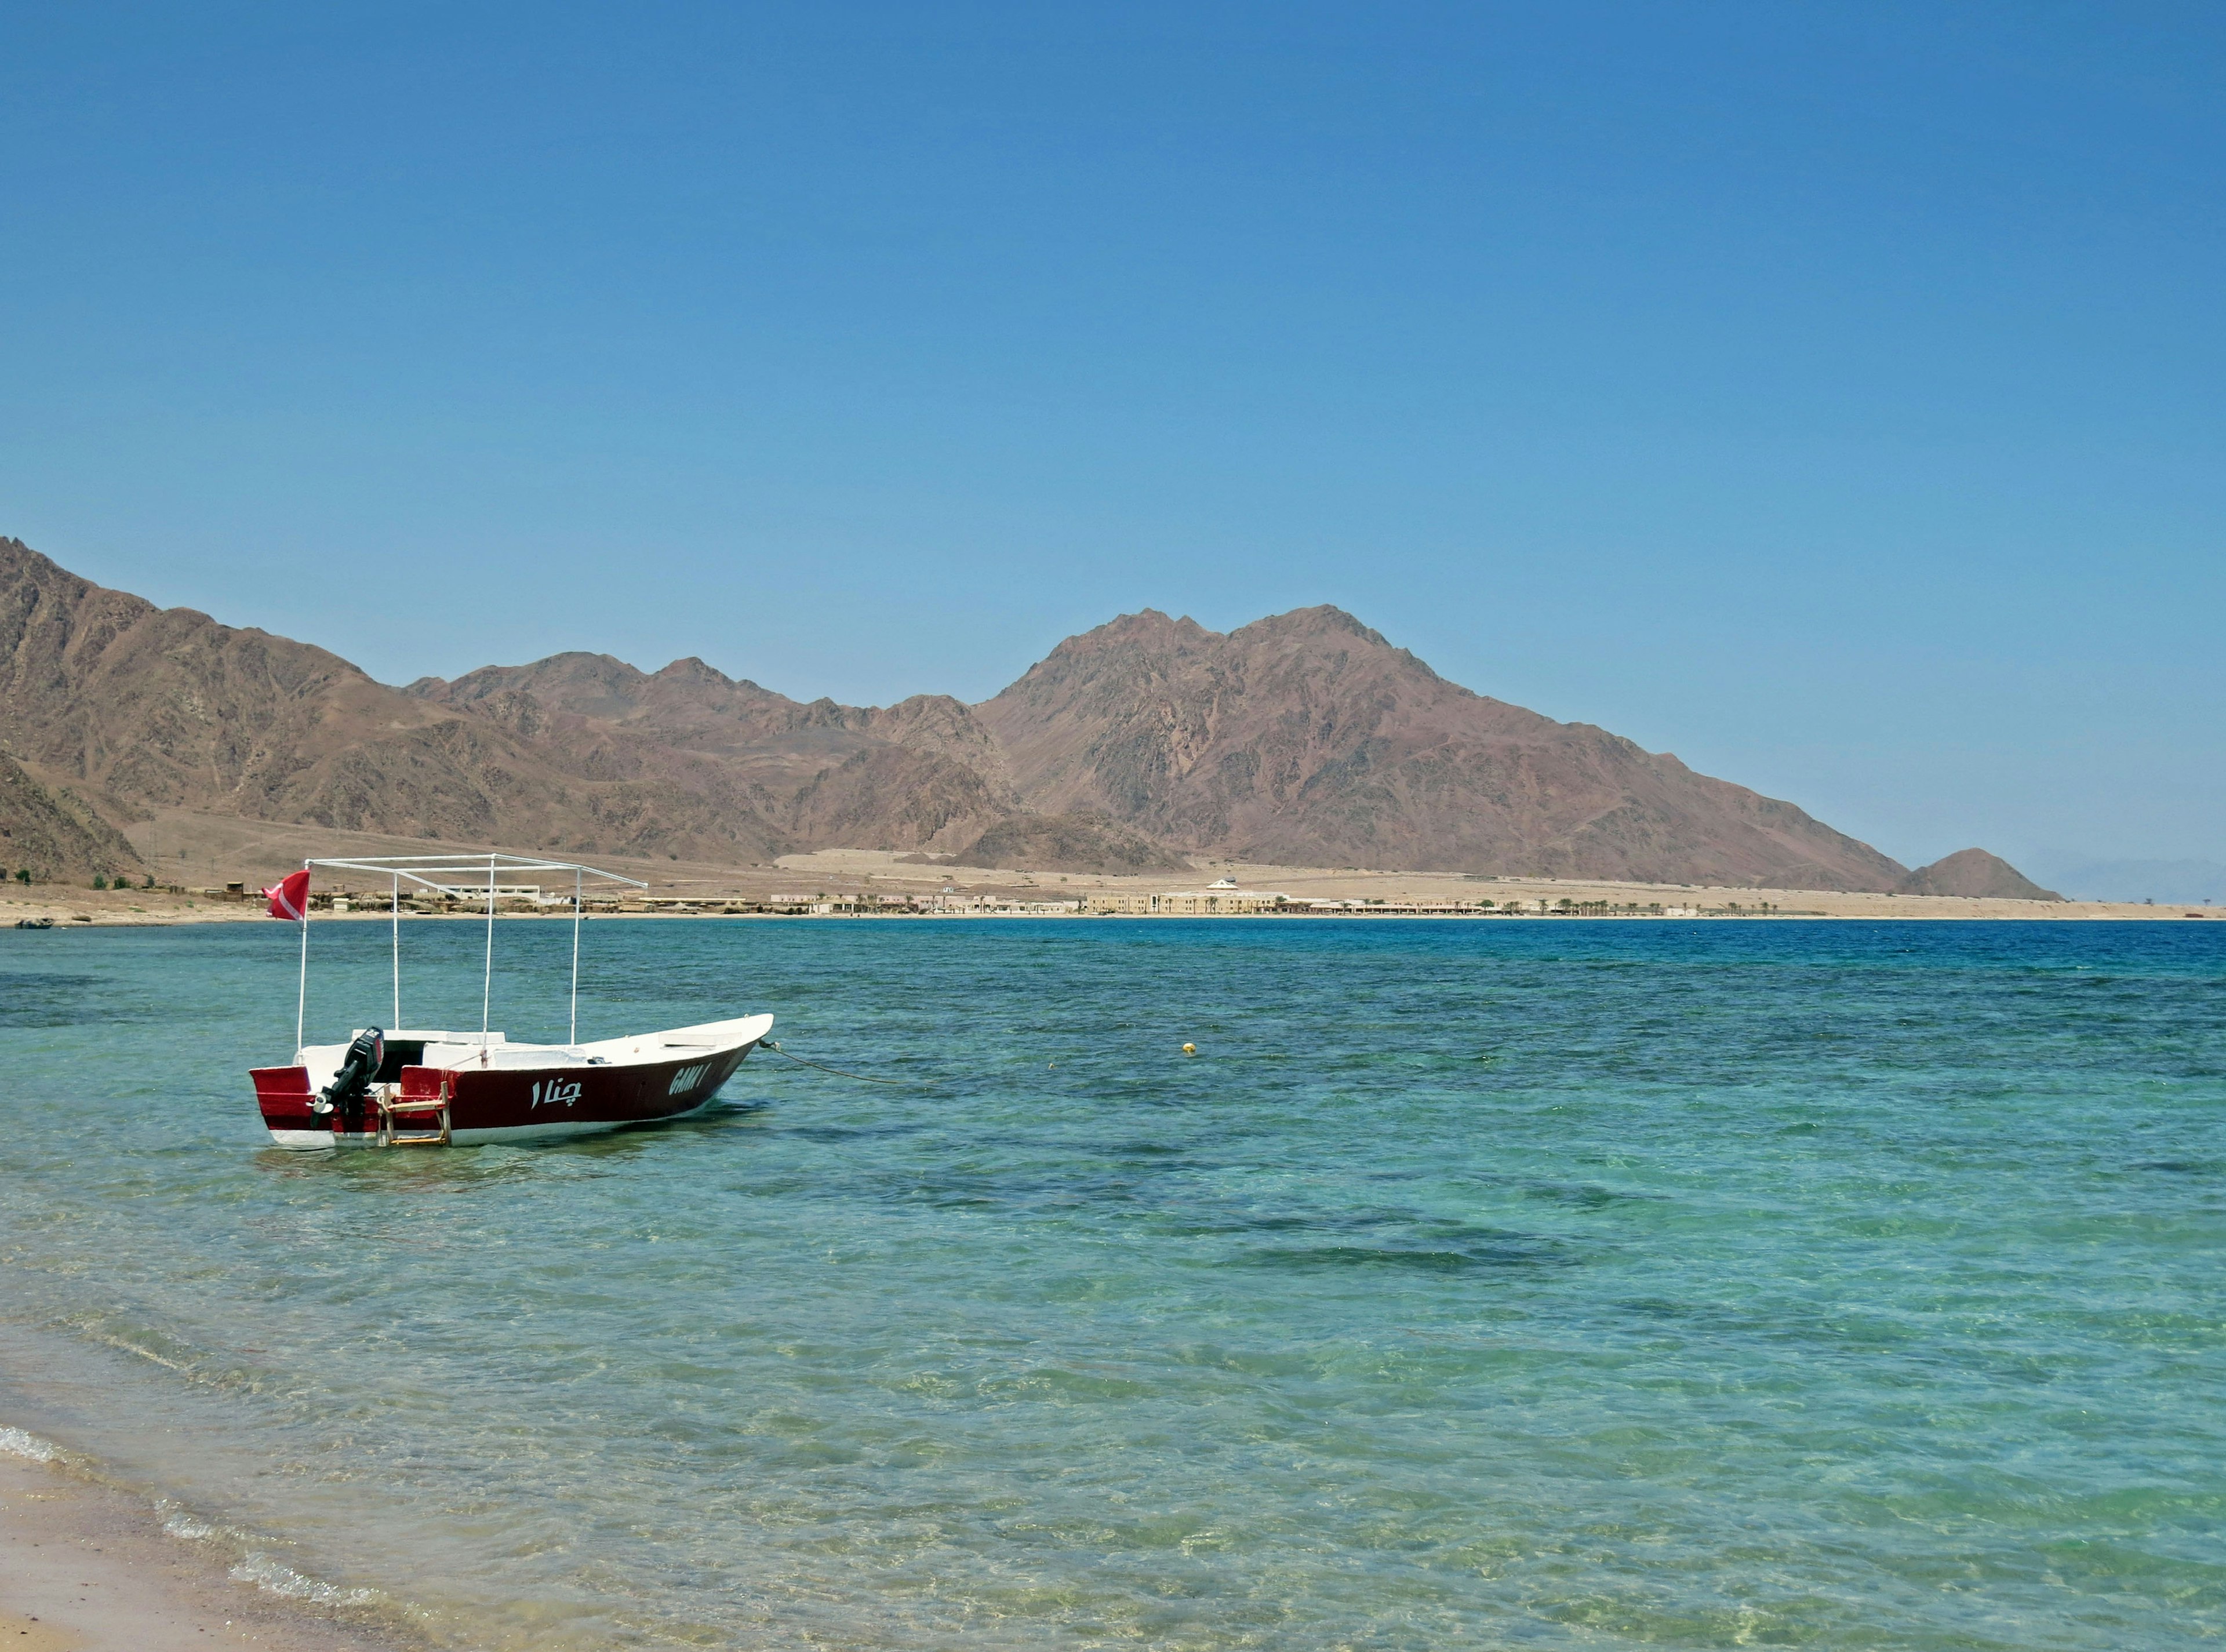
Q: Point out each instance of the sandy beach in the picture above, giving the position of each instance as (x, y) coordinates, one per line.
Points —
(88, 1568)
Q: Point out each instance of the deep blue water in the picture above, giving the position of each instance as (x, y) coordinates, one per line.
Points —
(1493, 1284)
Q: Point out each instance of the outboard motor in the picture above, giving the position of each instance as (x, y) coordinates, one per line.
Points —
(352, 1082)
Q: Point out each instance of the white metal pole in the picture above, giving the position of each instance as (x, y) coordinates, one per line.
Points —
(301, 994)
(486, 986)
(574, 1037)
(394, 906)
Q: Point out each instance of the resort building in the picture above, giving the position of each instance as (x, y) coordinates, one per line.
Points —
(1223, 898)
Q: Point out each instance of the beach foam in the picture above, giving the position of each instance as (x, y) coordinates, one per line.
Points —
(16, 1443)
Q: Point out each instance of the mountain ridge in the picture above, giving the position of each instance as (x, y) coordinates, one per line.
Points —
(1303, 738)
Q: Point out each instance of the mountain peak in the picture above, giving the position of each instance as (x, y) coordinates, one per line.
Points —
(693, 670)
(1145, 625)
(1324, 619)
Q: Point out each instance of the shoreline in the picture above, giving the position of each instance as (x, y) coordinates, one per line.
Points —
(89, 1565)
(189, 850)
(36, 910)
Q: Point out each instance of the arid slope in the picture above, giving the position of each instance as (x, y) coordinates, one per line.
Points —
(1975, 874)
(55, 835)
(1303, 739)
(1308, 738)
(135, 706)
(920, 774)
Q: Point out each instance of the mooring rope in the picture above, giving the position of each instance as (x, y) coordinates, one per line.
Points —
(863, 1078)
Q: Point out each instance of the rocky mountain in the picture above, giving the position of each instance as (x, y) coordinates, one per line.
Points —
(924, 774)
(1308, 738)
(131, 706)
(1303, 739)
(134, 707)
(54, 834)
(1974, 872)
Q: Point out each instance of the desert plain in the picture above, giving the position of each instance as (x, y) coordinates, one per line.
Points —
(196, 853)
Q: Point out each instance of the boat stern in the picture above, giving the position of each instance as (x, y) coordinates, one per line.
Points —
(284, 1095)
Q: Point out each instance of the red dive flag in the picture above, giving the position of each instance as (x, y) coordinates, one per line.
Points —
(290, 896)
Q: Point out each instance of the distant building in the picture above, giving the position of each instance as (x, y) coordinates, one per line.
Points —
(1220, 899)
(1391, 908)
(992, 906)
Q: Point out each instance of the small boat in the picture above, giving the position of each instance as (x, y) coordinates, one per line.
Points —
(35, 923)
(402, 1088)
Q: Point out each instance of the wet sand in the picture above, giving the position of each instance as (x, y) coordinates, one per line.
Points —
(88, 1567)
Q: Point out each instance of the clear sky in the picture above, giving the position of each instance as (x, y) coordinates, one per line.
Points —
(1830, 394)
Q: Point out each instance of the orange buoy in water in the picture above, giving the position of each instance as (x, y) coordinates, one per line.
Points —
(1190, 1048)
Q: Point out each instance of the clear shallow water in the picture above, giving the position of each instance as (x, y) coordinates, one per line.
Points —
(1494, 1283)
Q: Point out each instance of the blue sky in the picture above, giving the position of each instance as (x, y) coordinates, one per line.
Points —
(1830, 394)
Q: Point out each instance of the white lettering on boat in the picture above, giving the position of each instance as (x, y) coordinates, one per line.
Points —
(687, 1077)
(556, 1092)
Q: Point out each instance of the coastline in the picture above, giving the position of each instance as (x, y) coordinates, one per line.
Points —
(199, 854)
(87, 1565)
(53, 907)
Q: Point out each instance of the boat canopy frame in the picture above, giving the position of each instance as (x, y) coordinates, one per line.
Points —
(462, 876)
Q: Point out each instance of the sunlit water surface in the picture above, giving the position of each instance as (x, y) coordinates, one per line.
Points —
(1476, 1284)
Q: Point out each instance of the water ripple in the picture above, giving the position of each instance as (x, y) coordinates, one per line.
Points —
(1836, 1285)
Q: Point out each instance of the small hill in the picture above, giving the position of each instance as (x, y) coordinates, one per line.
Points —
(1973, 872)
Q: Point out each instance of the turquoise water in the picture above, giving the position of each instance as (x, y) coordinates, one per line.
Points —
(1517, 1284)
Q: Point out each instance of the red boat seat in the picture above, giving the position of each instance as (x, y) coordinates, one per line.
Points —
(427, 1084)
